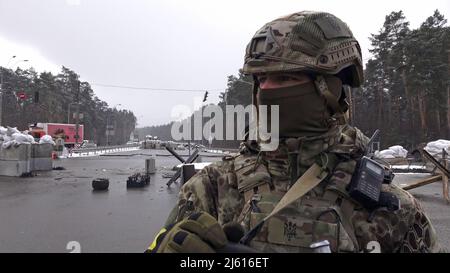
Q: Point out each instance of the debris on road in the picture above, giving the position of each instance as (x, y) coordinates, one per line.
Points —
(138, 180)
(100, 184)
(27, 174)
(168, 175)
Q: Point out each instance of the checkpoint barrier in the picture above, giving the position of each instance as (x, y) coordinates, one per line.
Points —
(443, 176)
(18, 160)
(22, 159)
(41, 157)
(15, 160)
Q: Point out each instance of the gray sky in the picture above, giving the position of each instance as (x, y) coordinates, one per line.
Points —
(171, 44)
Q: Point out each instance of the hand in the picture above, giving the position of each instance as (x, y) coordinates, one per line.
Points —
(199, 233)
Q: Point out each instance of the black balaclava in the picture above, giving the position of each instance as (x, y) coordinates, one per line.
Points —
(303, 111)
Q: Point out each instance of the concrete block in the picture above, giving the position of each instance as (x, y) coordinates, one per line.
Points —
(150, 165)
(21, 152)
(41, 150)
(41, 164)
(41, 157)
(15, 160)
(25, 158)
(147, 145)
(14, 167)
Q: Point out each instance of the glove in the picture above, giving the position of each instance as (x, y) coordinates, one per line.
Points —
(199, 233)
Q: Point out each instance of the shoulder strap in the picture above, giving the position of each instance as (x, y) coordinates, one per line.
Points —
(310, 179)
(331, 99)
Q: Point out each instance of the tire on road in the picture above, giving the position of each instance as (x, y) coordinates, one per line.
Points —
(100, 184)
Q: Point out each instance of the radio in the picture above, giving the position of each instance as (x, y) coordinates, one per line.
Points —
(365, 186)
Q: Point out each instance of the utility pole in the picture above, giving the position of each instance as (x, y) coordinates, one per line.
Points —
(107, 128)
(77, 115)
(110, 129)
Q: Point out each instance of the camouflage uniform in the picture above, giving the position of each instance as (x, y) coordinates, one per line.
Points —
(244, 188)
(327, 212)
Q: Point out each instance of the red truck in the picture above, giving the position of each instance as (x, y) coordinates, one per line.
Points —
(58, 130)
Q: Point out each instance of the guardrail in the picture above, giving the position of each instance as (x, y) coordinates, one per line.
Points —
(103, 149)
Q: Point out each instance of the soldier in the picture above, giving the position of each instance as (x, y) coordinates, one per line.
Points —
(300, 62)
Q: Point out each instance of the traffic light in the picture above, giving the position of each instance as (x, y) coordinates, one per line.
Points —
(206, 96)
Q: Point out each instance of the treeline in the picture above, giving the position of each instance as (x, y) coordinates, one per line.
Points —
(406, 90)
(161, 131)
(29, 97)
(238, 92)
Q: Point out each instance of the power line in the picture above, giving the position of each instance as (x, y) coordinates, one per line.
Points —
(155, 89)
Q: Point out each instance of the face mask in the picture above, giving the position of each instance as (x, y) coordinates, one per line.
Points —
(303, 112)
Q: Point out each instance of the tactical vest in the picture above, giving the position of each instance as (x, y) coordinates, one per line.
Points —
(324, 213)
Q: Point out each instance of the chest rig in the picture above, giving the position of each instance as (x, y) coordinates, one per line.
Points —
(323, 213)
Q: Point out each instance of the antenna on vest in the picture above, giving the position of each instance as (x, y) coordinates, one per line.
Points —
(370, 151)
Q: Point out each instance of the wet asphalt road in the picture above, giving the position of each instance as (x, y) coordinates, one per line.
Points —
(45, 212)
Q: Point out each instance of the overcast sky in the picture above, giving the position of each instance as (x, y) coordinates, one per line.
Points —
(167, 44)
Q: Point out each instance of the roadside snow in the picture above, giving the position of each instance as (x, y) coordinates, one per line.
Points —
(197, 166)
(410, 167)
(98, 152)
(435, 147)
(396, 151)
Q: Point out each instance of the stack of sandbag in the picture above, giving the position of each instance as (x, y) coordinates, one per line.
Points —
(396, 151)
(12, 137)
(46, 139)
(3, 137)
(435, 147)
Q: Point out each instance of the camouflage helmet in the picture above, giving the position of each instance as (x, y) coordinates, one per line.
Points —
(316, 42)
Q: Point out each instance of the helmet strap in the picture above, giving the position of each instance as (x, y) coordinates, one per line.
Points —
(331, 100)
(255, 104)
